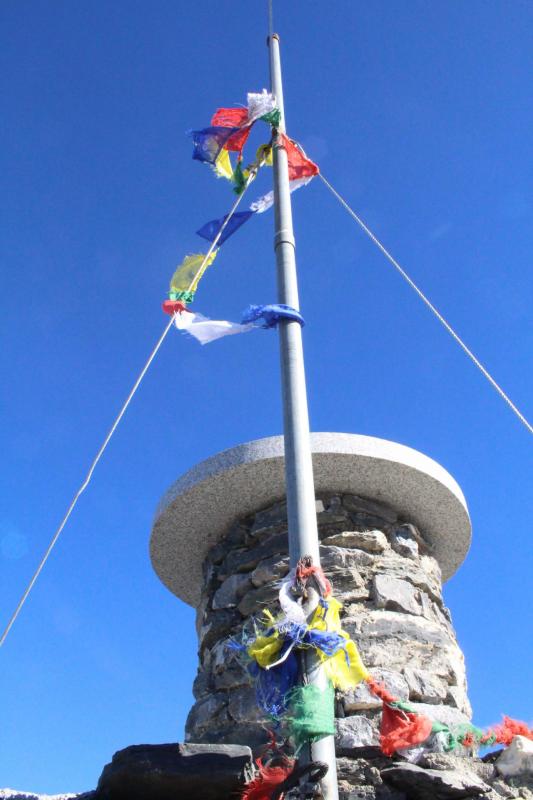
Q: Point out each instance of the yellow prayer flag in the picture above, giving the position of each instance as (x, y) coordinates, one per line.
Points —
(265, 649)
(222, 165)
(345, 669)
(264, 151)
(187, 275)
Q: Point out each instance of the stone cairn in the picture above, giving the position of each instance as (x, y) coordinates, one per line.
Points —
(383, 573)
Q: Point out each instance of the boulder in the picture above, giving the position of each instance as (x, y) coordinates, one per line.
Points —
(170, 771)
(517, 759)
(433, 784)
(353, 733)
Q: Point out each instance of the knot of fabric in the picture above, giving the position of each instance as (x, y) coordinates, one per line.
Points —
(268, 316)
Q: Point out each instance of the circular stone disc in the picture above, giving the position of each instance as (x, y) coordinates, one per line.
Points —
(199, 508)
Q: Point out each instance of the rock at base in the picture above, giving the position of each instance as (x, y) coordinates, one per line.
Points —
(433, 784)
(170, 771)
(517, 759)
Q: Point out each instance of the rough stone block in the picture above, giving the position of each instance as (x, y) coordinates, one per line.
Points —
(169, 771)
(432, 784)
(230, 678)
(355, 732)
(270, 520)
(384, 624)
(424, 686)
(404, 543)
(204, 711)
(396, 594)
(243, 706)
(371, 541)
(441, 713)
(331, 557)
(231, 590)
(366, 506)
(390, 563)
(257, 600)
(216, 625)
(244, 560)
(517, 759)
(361, 698)
(202, 684)
(270, 569)
(348, 584)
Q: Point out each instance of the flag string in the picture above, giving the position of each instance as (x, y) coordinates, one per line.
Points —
(429, 304)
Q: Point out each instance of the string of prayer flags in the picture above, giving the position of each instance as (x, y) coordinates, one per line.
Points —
(260, 105)
(266, 201)
(184, 282)
(208, 143)
(231, 224)
(301, 171)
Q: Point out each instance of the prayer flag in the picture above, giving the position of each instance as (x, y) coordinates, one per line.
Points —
(400, 729)
(207, 330)
(222, 166)
(299, 165)
(237, 120)
(265, 202)
(260, 104)
(208, 143)
(185, 280)
(210, 230)
(230, 117)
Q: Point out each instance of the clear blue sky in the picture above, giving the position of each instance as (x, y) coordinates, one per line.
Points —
(421, 114)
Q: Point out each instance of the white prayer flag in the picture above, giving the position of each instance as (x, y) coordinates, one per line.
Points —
(207, 330)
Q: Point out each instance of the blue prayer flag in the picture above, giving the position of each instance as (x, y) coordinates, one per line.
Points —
(210, 229)
(208, 143)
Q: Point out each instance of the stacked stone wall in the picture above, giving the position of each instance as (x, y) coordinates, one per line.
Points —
(382, 572)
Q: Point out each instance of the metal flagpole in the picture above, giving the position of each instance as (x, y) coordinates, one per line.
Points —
(301, 509)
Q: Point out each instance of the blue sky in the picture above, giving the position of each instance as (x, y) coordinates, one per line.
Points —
(420, 113)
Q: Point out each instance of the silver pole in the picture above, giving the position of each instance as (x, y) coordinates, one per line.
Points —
(301, 509)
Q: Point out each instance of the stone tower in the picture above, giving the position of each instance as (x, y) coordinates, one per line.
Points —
(393, 525)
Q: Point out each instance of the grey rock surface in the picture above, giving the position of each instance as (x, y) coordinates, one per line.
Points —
(396, 594)
(230, 592)
(432, 784)
(352, 733)
(362, 699)
(517, 759)
(170, 771)
(373, 541)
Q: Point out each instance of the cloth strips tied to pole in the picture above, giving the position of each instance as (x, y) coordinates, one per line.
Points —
(207, 330)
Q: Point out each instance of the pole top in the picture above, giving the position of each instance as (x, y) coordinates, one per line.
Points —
(199, 507)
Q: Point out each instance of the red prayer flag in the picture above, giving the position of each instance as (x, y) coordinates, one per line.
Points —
(230, 117)
(269, 778)
(299, 165)
(401, 729)
(233, 118)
